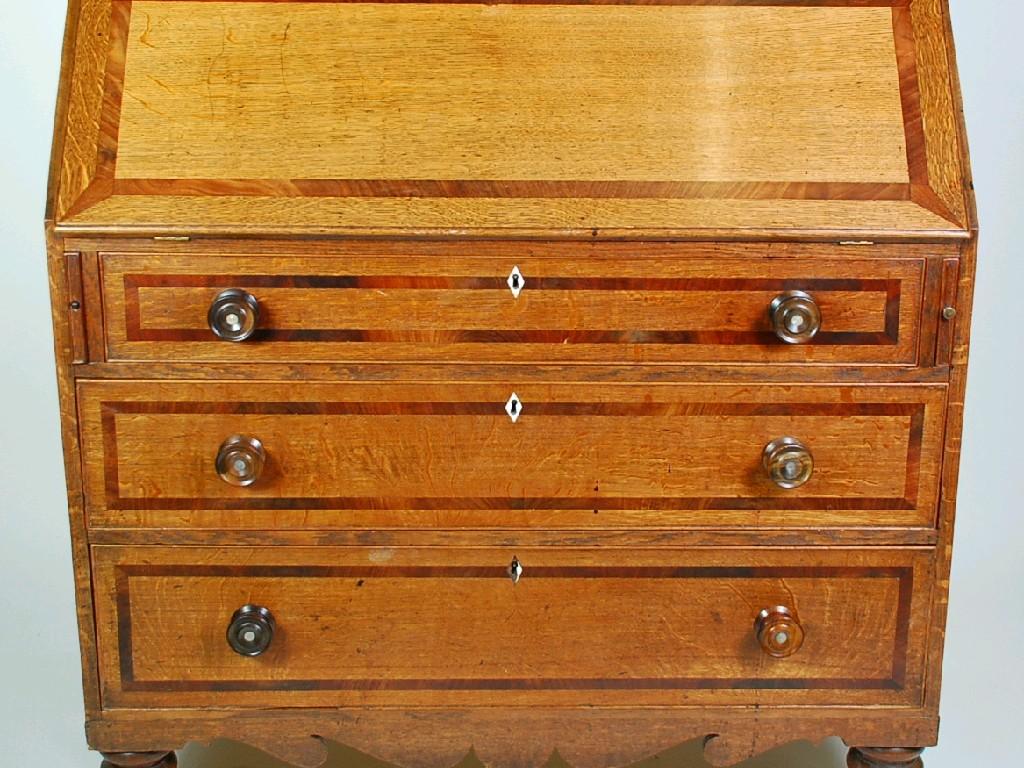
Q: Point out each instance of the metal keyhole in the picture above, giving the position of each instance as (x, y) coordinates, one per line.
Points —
(515, 570)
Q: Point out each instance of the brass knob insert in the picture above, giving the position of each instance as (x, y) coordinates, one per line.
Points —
(795, 317)
(779, 631)
(233, 315)
(251, 630)
(240, 460)
(788, 461)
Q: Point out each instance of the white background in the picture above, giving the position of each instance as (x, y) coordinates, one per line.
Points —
(40, 690)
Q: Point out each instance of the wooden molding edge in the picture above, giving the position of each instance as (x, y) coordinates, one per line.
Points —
(582, 738)
(938, 96)
(63, 100)
(928, 198)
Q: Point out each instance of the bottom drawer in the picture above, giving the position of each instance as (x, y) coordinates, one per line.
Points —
(353, 626)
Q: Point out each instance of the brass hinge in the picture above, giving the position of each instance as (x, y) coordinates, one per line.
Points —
(171, 238)
(856, 242)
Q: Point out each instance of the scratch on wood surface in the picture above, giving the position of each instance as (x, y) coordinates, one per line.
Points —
(149, 107)
(792, 596)
(282, 42)
(735, 590)
(225, 38)
(144, 37)
(160, 83)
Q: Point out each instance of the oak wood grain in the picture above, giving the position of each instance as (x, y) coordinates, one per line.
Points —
(589, 738)
(86, 51)
(61, 293)
(524, 218)
(889, 165)
(365, 626)
(448, 455)
(578, 250)
(75, 307)
(544, 122)
(389, 308)
(651, 373)
(947, 165)
(662, 538)
(574, 147)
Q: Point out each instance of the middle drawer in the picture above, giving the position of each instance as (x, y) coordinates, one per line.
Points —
(454, 455)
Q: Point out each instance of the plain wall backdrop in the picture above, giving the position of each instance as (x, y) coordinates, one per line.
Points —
(40, 687)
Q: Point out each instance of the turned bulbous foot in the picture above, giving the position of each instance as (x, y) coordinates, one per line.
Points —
(139, 760)
(885, 757)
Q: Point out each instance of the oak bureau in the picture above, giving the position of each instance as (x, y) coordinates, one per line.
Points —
(524, 377)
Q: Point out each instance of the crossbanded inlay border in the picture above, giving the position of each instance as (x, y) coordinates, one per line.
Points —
(115, 501)
(892, 288)
(895, 682)
(105, 183)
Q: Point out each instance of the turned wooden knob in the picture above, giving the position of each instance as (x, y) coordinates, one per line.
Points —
(240, 460)
(233, 315)
(779, 631)
(788, 461)
(795, 317)
(251, 630)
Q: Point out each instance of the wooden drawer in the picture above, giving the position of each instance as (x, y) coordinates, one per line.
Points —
(449, 455)
(362, 626)
(456, 308)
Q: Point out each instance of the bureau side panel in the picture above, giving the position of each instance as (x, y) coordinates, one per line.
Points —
(66, 351)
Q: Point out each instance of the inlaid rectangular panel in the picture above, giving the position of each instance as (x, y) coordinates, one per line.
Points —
(665, 118)
(450, 455)
(420, 627)
(394, 307)
(373, 111)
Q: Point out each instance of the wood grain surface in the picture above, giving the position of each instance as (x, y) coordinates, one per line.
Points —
(589, 737)
(477, 137)
(373, 626)
(625, 310)
(448, 455)
(821, 120)
(517, 97)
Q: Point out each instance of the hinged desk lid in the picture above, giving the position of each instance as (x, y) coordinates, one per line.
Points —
(672, 118)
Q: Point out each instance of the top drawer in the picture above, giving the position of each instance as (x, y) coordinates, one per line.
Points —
(514, 309)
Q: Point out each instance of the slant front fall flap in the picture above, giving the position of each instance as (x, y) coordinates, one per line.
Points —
(660, 118)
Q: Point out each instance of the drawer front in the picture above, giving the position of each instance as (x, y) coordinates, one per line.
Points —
(451, 455)
(401, 308)
(424, 627)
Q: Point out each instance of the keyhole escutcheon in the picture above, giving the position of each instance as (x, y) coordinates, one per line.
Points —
(514, 407)
(515, 570)
(516, 282)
